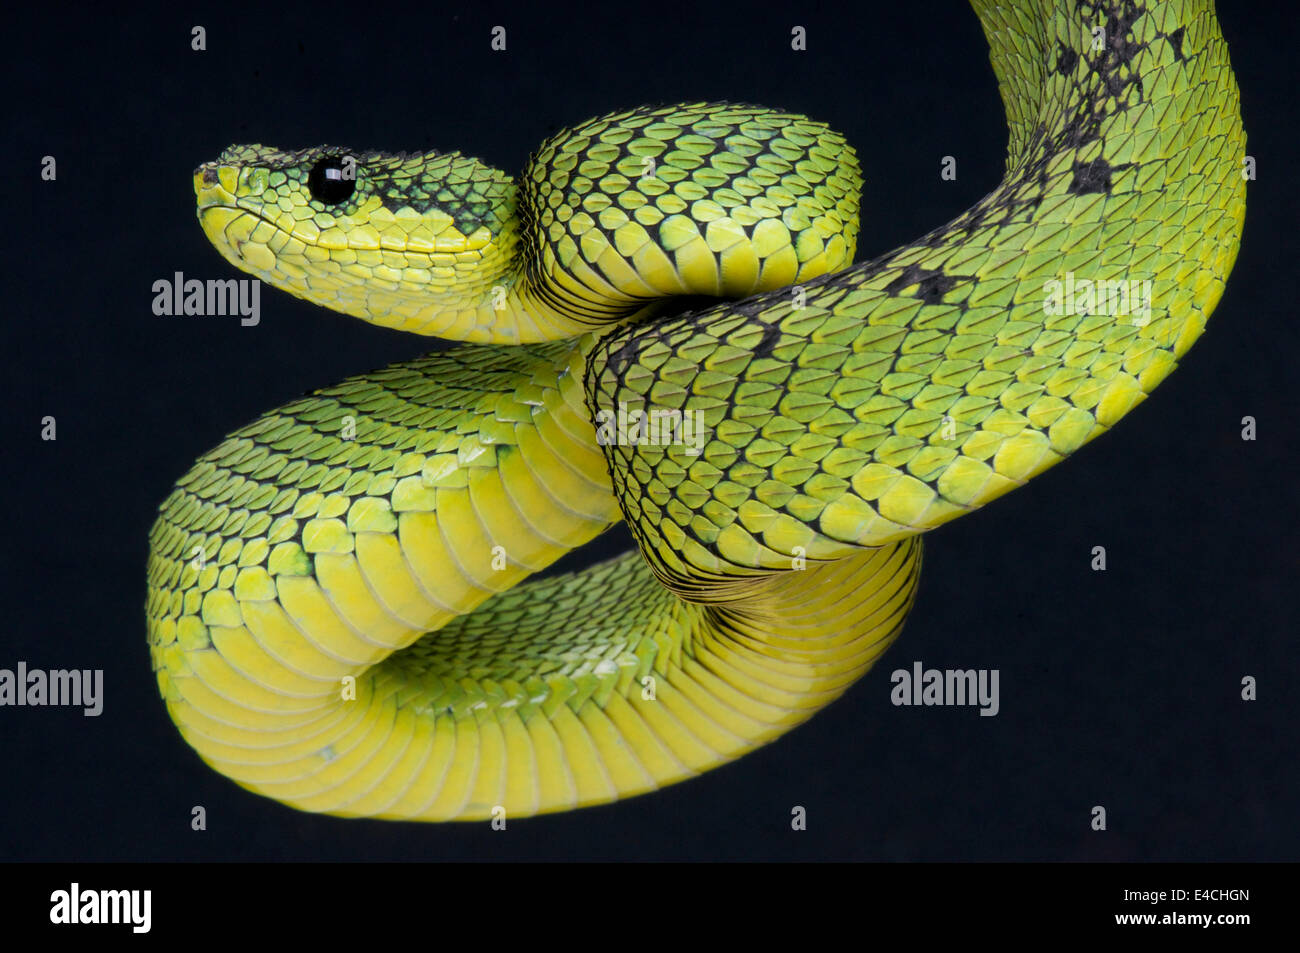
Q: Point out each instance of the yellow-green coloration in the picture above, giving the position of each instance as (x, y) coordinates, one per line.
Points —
(336, 609)
(713, 199)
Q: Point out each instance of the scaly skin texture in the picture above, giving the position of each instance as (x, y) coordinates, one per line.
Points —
(707, 198)
(336, 612)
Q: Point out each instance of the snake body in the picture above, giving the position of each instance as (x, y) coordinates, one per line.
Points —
(337, 607)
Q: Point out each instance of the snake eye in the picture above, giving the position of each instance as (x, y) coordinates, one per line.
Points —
(333, 179)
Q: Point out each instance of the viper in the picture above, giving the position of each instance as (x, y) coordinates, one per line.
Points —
(663, 324)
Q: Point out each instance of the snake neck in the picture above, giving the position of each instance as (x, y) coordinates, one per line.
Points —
(714, 200)
(508, 305)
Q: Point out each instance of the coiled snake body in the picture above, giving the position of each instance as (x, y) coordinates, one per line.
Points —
(336, 606)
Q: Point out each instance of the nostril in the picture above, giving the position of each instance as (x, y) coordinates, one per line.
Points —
(209, 176)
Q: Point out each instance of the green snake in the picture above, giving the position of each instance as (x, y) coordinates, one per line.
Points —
(337, 608)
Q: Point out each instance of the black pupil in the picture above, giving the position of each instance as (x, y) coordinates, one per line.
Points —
(331, 181)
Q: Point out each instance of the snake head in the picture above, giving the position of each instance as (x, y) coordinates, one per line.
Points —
(608, 217)
(390, 238)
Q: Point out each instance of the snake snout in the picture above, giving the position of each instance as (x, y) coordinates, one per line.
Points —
(206, 177)
(215, 184)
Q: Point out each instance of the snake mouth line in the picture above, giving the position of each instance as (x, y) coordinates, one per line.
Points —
(243, 211)
(235, 245)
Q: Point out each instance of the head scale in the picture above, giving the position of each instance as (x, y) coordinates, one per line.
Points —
(391, 238)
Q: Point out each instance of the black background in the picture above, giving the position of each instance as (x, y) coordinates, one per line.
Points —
(1119, 688)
